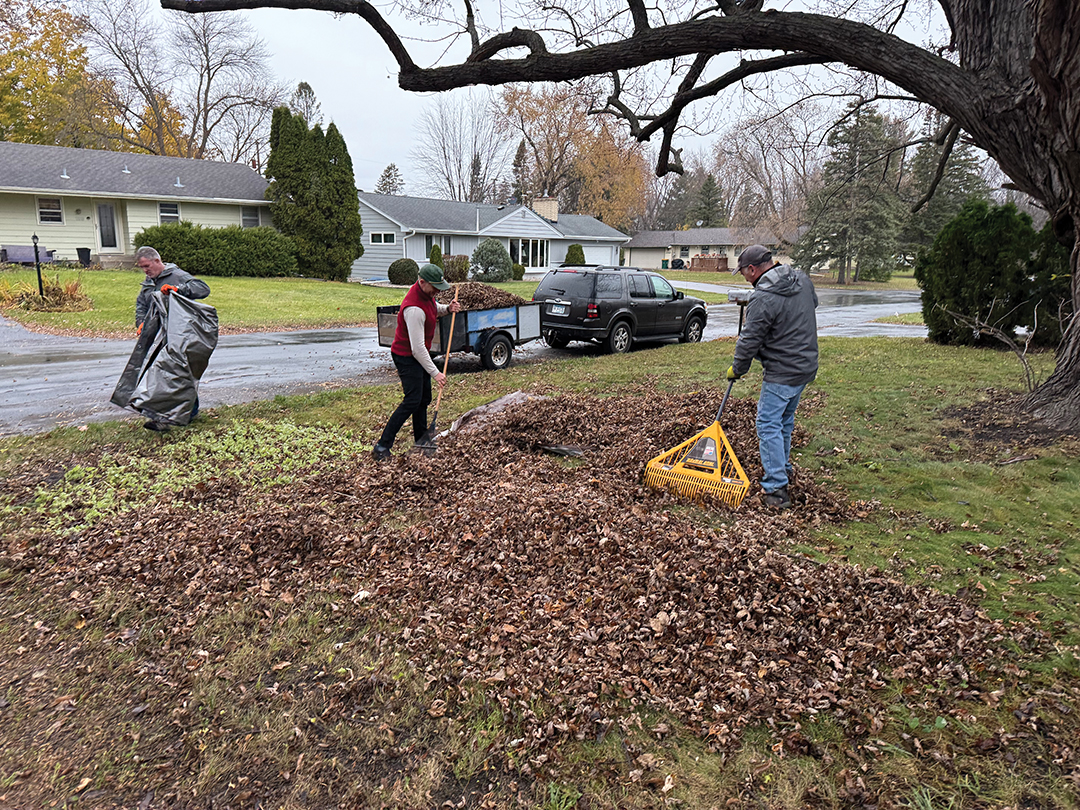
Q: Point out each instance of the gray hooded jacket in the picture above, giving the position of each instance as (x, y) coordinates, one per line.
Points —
(780, 328)
(186, 284)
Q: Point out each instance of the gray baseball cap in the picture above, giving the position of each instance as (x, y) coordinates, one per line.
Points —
(755, 254)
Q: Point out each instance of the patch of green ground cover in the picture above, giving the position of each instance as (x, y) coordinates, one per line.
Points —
(254, 452)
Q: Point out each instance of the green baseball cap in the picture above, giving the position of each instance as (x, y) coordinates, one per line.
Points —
(433, 275)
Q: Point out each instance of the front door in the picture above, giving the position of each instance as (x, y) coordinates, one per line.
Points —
(108, 238)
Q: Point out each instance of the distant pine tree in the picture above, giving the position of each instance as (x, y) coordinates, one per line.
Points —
(390, 181)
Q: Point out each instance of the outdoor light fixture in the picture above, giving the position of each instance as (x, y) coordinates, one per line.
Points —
(37, 265)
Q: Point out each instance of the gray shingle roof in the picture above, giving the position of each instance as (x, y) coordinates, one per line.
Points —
(714, 237)
(442, 216)
(31, 167)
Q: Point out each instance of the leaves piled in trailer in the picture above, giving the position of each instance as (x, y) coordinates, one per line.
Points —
(563, 590)
(477, 295)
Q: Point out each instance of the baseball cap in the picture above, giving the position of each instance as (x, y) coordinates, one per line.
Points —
(755, 254)
(433, 275)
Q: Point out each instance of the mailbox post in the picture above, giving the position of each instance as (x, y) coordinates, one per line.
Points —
(37, 265)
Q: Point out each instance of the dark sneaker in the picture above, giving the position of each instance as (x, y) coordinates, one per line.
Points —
(780, 499)
(380, 453)
(159, 427)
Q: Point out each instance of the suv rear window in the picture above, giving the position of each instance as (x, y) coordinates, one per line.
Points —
(577, 285)
(609, 285)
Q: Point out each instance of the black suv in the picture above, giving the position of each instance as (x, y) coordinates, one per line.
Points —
(615, 306)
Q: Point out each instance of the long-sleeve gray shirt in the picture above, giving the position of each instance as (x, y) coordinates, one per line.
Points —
(780, 328)
(186, 284)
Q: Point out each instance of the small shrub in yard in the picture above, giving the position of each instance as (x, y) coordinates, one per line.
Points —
(402, 271)
(67, 296)
(456, 268)
(491, 262)
(518, 271)
(435, 256)
(232, 251)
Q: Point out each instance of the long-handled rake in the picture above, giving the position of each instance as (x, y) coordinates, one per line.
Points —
(426, 443)
(704, 464)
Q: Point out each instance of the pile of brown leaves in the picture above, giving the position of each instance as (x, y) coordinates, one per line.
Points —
(562, 585)
(477, 295)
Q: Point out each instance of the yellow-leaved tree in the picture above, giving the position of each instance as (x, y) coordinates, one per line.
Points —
(49, 93)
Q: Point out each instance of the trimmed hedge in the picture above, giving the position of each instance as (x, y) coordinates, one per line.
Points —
(435, 257)
(575, 254)
(456, 268)
(518, 272)
(233, 251)
(403, 271)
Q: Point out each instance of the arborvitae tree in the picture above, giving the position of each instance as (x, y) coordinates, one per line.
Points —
(856, 216)
(575, 254)
(435, 256)
(313, 195)
(390, 181)
(303, 103)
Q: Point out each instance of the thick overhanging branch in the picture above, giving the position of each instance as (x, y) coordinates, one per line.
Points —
(514, 38)
(361, 8)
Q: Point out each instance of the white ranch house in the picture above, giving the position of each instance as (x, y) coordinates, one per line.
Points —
(94, 202)
(398, 227)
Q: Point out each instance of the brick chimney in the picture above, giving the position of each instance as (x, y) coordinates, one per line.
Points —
(547, 207)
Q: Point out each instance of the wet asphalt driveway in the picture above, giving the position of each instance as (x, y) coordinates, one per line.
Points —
(49, 381)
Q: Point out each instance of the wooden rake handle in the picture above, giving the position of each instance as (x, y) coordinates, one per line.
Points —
(449, 342)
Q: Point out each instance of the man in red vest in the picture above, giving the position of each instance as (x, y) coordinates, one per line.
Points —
(411, 351)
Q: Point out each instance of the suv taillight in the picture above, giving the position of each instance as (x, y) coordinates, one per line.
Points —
(593, 312)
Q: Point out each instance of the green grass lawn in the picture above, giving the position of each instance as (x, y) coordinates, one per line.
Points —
(242, 303)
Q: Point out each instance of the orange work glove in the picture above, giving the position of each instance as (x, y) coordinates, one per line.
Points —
(139, 330)
(168, 288)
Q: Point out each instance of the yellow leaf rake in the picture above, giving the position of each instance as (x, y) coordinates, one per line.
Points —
(704, 464)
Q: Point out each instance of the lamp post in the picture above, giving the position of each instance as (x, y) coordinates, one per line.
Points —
(37, 265)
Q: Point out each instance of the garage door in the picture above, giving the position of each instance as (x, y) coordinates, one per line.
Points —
(598, 254)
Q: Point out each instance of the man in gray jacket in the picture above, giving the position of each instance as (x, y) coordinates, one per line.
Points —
(780, 330)
(165, 278)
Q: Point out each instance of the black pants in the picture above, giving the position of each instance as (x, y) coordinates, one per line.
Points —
(416, 383)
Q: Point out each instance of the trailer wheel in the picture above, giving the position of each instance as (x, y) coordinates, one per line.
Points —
(497, 352)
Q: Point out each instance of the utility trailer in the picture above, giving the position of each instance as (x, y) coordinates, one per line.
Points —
(490, 333)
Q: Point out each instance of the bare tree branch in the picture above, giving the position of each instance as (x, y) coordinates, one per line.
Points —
(953, 132)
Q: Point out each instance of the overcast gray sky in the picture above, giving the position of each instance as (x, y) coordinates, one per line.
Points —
(355, 81)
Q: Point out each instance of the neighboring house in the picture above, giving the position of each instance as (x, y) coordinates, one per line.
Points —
(657, 250)
(398, 227)
(94, 202)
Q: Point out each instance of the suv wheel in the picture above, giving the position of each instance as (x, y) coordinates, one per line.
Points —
(619, 338)
(692, 331)
(556, 340)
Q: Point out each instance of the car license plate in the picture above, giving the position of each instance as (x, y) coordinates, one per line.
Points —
(558, 309)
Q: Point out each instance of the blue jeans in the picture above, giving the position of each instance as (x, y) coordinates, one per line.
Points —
(775, 421)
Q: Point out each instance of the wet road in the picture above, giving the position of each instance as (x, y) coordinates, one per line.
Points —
(50, 381)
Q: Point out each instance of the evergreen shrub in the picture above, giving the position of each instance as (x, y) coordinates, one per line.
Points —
(989, 263)
(491, 262)
(435, 256)
(517, 271)
(403, 271)
(456, 268)
(575, 254)
(233, 251)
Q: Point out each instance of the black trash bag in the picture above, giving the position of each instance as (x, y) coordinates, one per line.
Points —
(161, 378)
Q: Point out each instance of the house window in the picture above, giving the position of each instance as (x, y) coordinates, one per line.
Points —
(706, 249)
(50, 210)
(529, 252)
(442, 241)
(383, 238)
(168, 212)
(684, 252)
(249, 216)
